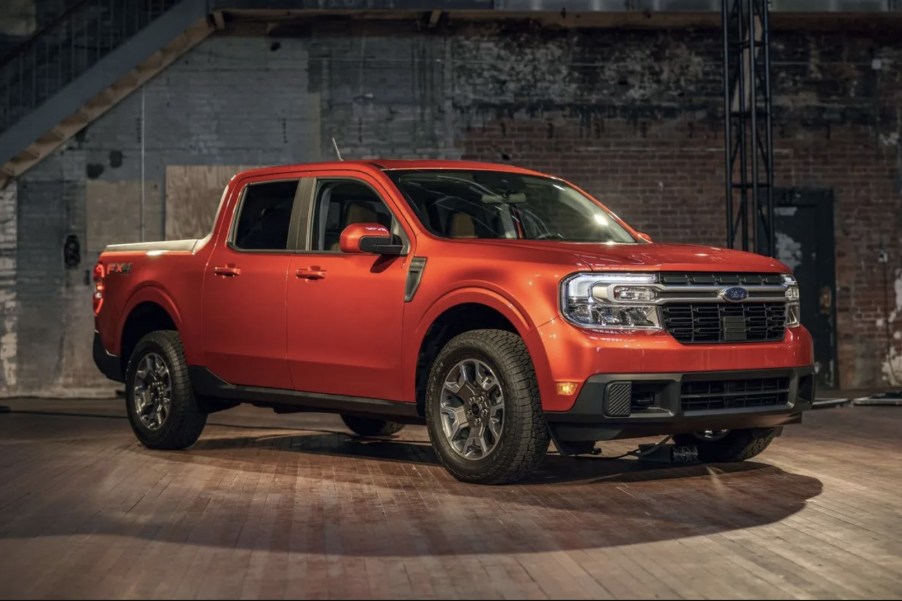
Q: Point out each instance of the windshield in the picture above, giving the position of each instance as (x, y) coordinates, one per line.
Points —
(502, 205)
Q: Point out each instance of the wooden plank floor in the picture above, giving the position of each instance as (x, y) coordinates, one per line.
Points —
(293, 506)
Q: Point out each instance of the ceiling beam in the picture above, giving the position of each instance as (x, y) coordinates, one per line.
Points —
(539, 6)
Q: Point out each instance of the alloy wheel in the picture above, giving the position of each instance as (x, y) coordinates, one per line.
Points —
(152, 391)
(472, 409)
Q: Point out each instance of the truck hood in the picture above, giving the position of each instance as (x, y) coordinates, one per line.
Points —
(652, 257)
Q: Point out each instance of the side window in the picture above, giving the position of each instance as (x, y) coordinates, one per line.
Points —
(338, 204)
(264, 220)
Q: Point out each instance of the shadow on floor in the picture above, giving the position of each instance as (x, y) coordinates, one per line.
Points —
(556, 469)
(332, 493)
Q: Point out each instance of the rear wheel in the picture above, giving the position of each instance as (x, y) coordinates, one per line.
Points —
(161, 406)
(483, 410)
(367, 426)
(726, 446)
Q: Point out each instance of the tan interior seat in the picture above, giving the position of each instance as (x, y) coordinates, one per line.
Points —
(461, 226)
(357, 212)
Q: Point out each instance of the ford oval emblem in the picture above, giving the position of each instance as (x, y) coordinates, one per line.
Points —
(735, 294)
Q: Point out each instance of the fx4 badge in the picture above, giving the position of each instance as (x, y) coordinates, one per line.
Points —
(118, 268)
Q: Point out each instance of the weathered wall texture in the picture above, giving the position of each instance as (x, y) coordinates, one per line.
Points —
(19, 19)
(17, 22)
(632, 115)
(8, 305)
(232, 101)
(193, 193)
(635, 119)
(891, 366)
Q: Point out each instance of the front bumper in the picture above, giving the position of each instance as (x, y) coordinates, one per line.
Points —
(613, 406)
(564, 353)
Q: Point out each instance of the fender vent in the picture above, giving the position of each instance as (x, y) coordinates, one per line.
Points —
(414, 275)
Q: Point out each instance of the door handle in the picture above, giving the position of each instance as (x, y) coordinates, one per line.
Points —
(310, 273)
(228, 271)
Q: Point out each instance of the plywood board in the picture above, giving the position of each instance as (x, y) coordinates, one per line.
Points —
(114, 213)
(192, 197)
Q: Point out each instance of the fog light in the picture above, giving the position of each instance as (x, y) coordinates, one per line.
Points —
(567, 388)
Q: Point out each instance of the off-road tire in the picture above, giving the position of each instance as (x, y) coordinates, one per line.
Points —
(524, 437)
(186, 419)
(737, 445)
(368, 426)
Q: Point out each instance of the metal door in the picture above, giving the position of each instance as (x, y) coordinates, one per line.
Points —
(805, 242)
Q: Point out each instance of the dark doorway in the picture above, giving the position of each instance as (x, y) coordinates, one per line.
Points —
(805, 242)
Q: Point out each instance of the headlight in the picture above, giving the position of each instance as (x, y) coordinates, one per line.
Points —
(611, 300)
(793, 312)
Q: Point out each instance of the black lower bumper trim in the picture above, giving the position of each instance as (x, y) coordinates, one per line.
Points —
(667, 403)
(108, 364)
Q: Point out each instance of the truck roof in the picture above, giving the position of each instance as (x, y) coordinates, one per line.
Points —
(389, 164)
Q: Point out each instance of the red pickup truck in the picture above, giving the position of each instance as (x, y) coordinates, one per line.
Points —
(503, 307)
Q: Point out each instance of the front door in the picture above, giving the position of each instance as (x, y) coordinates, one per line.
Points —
(244, 288)
(344, 310)
(805, 242)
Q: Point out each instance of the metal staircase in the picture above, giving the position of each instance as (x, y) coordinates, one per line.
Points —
(82, 64)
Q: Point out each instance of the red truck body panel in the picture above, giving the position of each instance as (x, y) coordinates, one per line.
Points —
(254, 320)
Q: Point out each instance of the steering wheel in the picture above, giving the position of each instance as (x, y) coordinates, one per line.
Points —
(548, 235)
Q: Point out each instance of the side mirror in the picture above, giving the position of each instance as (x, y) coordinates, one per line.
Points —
(645, 237)
(368, 238)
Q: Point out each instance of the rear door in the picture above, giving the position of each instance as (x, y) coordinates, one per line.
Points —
(244, 285)
(345, 310)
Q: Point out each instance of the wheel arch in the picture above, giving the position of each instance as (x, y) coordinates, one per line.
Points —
(461, 311)
(148, 310)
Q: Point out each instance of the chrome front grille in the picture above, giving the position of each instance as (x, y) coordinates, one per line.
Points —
(694, 311)
(721, 279)
(723, 322)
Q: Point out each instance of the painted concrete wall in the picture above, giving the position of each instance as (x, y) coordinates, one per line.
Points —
(9, 309)
(632, 115)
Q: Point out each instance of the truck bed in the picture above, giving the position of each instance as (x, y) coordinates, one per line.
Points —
(189, 245)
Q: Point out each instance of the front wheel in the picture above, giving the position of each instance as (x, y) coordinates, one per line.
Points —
(728, 446)
(483, 410)
(161, 406)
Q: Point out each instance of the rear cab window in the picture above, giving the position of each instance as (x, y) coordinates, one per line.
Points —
(268, 217)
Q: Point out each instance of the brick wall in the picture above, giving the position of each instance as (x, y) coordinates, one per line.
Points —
(837, 126)
(631, 115)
